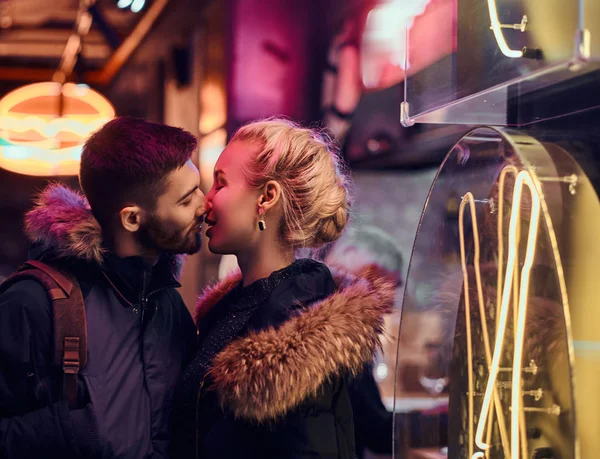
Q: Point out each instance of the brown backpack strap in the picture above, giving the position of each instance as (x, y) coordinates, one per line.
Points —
(70, 328)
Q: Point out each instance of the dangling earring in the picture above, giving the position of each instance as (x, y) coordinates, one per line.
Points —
(261, 221)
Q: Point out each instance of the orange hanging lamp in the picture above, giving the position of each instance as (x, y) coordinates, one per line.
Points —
(43, 127)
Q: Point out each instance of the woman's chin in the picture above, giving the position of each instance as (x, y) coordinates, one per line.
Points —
(213, 247)
(216, 248)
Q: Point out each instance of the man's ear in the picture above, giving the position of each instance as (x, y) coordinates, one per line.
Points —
(270, 195)
(131, 218)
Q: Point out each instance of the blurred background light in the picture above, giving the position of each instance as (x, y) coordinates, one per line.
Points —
(44, 126)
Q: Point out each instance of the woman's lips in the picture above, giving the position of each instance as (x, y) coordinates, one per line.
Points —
(210, 224)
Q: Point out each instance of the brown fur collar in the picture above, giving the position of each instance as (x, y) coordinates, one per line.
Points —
(61, 221)
(264, 375)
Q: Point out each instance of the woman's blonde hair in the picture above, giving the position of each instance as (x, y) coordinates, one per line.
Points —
(315, 194)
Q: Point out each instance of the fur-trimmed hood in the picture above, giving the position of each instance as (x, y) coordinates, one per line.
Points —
(61, 222)
(266, 374)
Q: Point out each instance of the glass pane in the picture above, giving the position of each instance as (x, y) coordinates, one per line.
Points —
(500, 280)
(467, 59)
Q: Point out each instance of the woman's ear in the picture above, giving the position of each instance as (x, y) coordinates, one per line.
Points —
(270, 195)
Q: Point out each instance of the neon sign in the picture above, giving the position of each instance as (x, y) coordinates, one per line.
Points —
(36, 139)
(510, 284)
(499, 36)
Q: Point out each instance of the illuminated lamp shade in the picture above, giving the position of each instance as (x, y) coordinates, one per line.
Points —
(35, 140)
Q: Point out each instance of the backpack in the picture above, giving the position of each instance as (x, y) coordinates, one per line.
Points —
(70, 328)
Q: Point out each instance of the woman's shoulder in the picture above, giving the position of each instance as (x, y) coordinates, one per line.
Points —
(306, 283)
(214, 293)
(335, 336)
(310, 282)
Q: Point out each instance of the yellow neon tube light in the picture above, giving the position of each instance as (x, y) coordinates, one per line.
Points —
(495, 22)
(469, 199)
(514, 172)
(523, 179)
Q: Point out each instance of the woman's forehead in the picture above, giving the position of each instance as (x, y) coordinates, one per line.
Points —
(233, 158)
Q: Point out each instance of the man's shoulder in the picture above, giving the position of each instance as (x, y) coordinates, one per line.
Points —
(179, 308)
(26, 296)
(175, 297)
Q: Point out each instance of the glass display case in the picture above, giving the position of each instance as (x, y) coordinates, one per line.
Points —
(503, 270)
(470, 61)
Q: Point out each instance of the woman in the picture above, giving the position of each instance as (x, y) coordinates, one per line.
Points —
(277, 340)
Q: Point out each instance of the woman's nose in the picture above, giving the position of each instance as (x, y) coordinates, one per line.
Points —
(207, 204)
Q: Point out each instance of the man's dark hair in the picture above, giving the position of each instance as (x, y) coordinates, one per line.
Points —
(127, 162)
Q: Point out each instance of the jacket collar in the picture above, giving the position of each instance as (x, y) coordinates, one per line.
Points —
(264, 375)
(61, 225)
(133, 278)
(61, 222)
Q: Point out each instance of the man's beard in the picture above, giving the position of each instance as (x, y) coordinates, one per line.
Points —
(157, 235)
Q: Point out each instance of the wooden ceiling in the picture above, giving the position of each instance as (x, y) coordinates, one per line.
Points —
(34, 36)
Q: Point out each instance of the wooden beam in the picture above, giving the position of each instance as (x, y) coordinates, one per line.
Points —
(26, 74)
(51, 50)
(129, 45)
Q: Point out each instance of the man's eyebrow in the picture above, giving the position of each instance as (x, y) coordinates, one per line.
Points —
(187, 194)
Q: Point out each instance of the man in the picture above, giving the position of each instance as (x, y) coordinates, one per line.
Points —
(144, 207)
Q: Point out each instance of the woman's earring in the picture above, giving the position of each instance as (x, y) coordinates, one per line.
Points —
(261, 222)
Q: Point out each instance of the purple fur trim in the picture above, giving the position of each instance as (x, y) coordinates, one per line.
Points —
(61, 220)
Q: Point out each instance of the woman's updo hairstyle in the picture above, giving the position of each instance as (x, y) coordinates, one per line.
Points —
(315, 187)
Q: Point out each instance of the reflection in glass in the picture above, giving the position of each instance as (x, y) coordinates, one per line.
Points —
(501, 238)
(471, 60)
